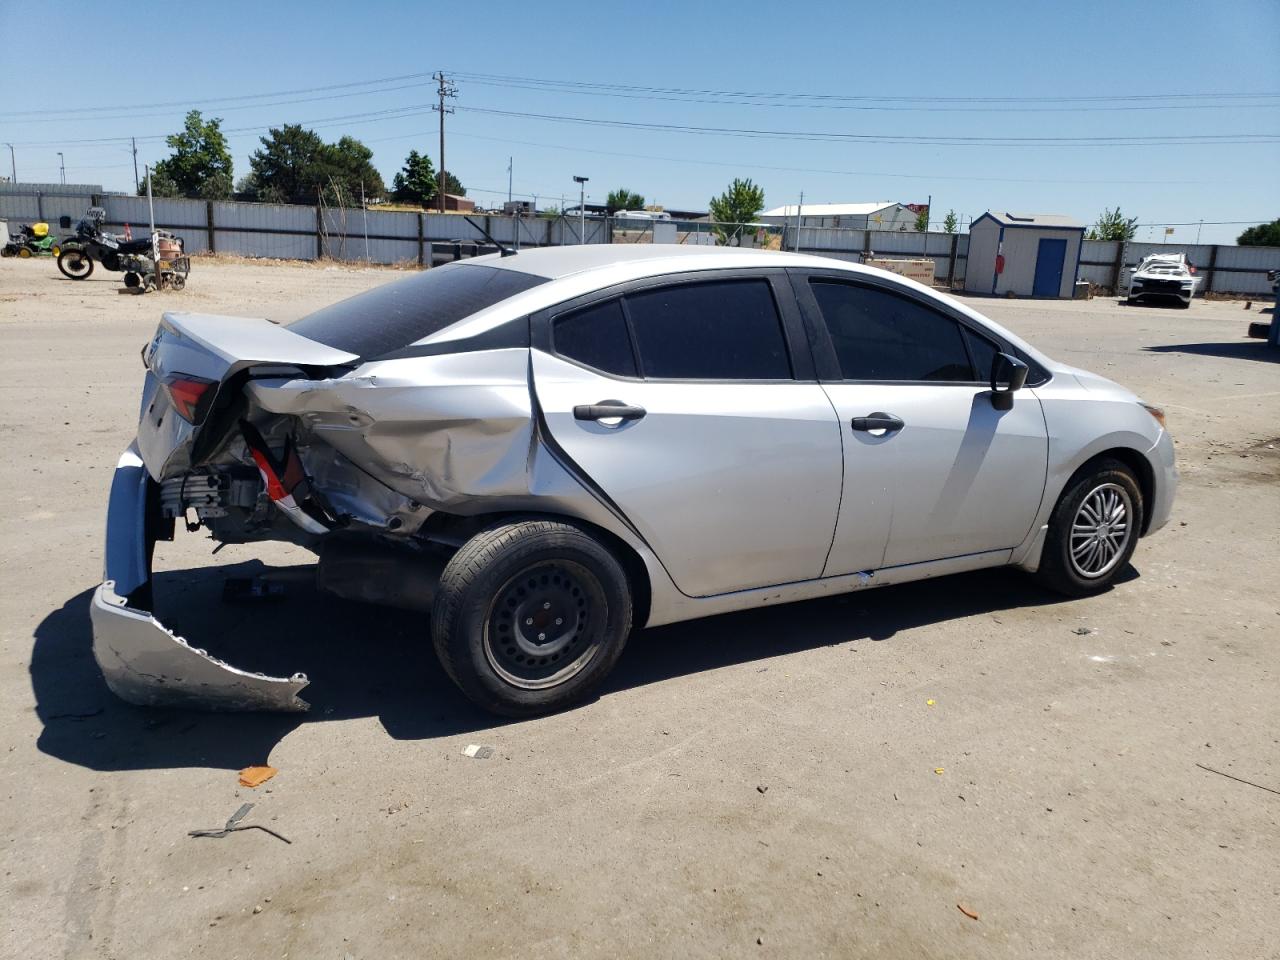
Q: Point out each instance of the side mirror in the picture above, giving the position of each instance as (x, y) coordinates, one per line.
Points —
(1008, 374)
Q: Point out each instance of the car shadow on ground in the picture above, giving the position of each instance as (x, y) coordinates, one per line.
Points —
(1234, 350)
(372, 661)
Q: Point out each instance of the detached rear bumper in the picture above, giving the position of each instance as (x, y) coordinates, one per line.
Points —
(1165, 469)
(143, 662)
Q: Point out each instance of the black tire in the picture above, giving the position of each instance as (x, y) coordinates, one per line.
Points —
(1058, 571)
(68, 257)
(530, 616)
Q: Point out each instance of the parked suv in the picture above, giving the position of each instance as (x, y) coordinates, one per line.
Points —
(550, 449)
(1163, 276)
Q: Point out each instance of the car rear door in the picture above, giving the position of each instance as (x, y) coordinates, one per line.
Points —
(726, 457)
(923, 443)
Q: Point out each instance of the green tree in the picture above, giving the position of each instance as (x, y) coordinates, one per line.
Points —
(289, 166)
(1113, 225)
(200, 166)
(1263, 235)
(295, 166)
(453, 185)
(736, 207)
(922, 220)
(416, 181)
(623, 199)
(950, 223)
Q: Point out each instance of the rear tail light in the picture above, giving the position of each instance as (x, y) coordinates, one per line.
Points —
(191, 396)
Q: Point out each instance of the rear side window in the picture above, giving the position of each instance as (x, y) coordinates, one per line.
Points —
(879, 335)
(397, 314)
(598, 337)
(717, 330)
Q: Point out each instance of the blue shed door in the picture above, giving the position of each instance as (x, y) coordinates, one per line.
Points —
(1050, 259)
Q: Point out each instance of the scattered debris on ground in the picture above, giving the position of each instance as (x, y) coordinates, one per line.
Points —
(233, 824)
(477, 751)
(1238, 779)
(256, 776)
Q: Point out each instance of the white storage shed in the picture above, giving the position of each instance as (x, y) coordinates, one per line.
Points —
(1024, 254)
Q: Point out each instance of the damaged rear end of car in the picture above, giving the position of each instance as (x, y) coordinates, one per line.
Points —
(336, 434)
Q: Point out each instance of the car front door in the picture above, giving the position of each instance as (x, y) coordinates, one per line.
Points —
(922, 438)
(727, 454)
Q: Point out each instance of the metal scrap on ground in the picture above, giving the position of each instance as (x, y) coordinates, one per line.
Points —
(233, 824)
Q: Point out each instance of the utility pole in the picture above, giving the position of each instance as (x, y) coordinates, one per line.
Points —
(137, 185)
(582, 206)
(510, 163)
(444, 89)
(13, 165)
(799, 207)
(62, 168)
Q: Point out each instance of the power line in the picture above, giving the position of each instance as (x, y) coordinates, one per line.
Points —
(786, 169)
(1144, 101)
(150, 114)
(237, 99)
(834, 137)
(1105, 98)
(894, 105)
(389, 114)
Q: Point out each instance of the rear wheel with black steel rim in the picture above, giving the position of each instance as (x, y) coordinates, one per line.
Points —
(530, 615)
(1094, 529)
(75, 264)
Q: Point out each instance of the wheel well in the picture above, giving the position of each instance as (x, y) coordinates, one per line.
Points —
(448, 527)
(1141, 469)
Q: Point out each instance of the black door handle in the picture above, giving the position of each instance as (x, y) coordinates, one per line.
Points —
(877, 421)
(607, 410)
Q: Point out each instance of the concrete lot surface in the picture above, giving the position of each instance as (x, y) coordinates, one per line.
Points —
(839, 778)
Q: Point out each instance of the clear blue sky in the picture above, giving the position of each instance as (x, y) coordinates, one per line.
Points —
(925, 51)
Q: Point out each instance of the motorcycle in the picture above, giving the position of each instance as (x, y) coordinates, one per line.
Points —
(31, 240)
(137, 259)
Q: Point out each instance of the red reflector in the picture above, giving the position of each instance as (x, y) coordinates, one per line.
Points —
(191, 396)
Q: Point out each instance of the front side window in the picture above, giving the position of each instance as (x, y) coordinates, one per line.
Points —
(717, 330)
(879, 335)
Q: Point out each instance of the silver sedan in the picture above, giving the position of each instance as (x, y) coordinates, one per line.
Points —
(545, 451)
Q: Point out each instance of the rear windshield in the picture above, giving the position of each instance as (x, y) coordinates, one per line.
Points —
(397, 314)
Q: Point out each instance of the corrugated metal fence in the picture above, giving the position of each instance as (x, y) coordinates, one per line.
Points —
(288, 231)
(293, 232)
(1224, 269)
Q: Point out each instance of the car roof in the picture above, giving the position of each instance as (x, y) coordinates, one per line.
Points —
(555, 263)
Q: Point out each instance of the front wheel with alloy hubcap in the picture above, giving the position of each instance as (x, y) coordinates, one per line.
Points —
(1094, 530)
(530, 615)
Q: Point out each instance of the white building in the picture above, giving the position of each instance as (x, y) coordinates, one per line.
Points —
(1024, 254)
(876, 215)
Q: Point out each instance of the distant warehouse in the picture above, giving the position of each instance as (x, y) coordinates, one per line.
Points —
(876, 215)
